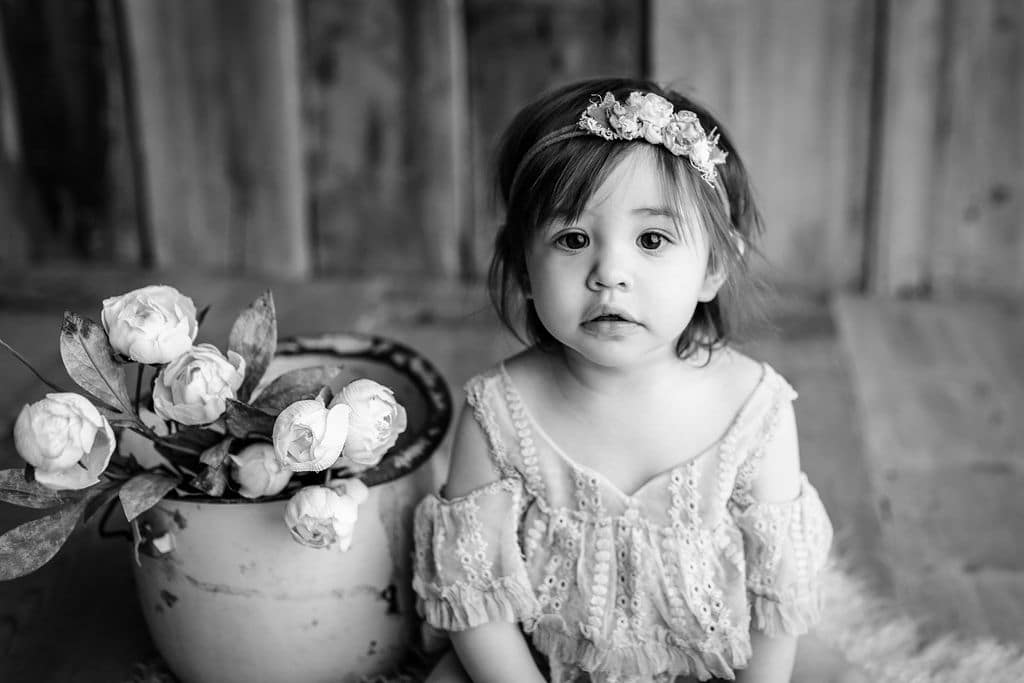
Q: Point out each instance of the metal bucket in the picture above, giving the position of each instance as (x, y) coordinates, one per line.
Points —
(237, 599)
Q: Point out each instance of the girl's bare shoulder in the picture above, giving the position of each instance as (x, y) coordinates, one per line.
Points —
(737, 373)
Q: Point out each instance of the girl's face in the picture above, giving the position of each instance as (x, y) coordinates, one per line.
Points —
(619, 285)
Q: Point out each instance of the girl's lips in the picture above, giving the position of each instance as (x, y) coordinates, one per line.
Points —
(607, 313)
(610, 326)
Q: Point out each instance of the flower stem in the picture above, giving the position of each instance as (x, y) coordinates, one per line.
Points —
(148, 432)
(138, 387)
(29, 366)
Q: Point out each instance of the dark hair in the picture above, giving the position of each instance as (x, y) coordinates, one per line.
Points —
(562, 176)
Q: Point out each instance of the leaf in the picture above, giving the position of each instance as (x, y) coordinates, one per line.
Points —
(29, 546)
(254, 337)
(211, 481)
(201, 315)
(90, 361)
(192, 440)
(116, 418)
(215, 455)
(183, 448)
(295, 385)
(143, 491)
(99, 502)
(213, 478)
(17, 490)
(245, 420)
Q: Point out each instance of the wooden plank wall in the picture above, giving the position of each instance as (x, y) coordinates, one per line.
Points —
(791, 81)
(385, 106)
(309, 137)
(13, 242)
(59, 94)
(217, 88)
(951, 161)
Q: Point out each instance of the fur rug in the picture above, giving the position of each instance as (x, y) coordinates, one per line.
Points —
(878, 642)
(888, 646)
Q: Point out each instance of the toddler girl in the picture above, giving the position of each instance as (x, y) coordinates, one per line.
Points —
(624, 501)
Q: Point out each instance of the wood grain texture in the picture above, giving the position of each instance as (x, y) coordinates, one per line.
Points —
(218, 104)
(517, 51)
(952, 165)
(14, 242)
(60, 92)
(790, 80)
(10, 133)
(384, 100)
(940, 389)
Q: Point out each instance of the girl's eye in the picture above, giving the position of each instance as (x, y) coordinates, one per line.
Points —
(572, 240)
(651, 241)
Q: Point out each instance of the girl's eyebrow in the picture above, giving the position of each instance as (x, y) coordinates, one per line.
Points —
(665, 211)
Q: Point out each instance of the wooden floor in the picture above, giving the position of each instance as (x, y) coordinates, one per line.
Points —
(909, 413)
(941, 399)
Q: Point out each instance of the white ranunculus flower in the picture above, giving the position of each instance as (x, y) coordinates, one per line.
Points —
(375, 423)
(652, 109)
(65, 439)
(257, 471)
(153, 325)
(193, 388)
(319, 517)
(308, 437)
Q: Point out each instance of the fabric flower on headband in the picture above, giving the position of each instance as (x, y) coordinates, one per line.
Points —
(651, 117)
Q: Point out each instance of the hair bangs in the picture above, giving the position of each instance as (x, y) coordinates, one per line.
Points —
(568, 176)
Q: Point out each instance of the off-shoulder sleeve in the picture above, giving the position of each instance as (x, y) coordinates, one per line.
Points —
(786, 546)
(469, 568)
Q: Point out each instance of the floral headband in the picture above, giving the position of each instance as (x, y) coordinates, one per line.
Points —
(651, 117)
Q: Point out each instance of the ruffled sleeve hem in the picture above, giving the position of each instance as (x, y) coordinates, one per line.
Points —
(469, 567)
(459, 607)
(793, 617)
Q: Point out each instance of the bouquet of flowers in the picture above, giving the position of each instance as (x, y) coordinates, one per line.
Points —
(200, 422)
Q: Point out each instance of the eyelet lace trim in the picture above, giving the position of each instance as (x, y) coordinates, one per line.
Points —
(527, 447)
(476, 396)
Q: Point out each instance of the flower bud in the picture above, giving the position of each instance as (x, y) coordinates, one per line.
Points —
(154, 324)
(193, 388)
(309, 437)
(257, 471)
(375, 423)
(319, 517)
(353, 488)
(65, 439)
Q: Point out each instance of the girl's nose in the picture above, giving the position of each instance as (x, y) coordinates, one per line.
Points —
(610, 272)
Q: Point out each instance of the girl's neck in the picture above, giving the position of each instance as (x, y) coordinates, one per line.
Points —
(578, 378)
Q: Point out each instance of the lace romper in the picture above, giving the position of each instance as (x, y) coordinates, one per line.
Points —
(648, 586)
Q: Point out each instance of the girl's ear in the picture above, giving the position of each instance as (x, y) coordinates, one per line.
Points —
(713, 281)
(715, 278)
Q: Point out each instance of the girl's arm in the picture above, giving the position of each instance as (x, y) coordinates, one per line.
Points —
(772, 660)
(778, 481)
(496, 651)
